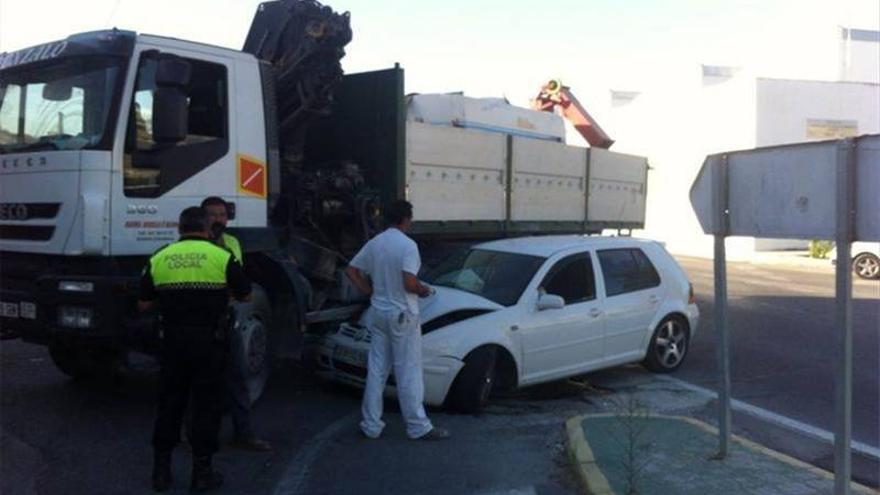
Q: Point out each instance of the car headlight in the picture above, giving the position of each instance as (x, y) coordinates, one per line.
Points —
(75, 286)
(75, 317)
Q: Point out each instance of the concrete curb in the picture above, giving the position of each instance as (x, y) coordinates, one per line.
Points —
(595, 483)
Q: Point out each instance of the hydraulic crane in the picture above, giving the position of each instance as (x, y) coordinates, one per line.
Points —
(554, 95)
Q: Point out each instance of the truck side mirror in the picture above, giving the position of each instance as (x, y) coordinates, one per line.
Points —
(170, 103)
(170, 115)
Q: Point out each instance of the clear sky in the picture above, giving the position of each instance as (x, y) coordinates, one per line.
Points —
(506, 47)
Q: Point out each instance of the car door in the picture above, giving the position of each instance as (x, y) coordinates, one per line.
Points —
(632, 297)
(560, 342)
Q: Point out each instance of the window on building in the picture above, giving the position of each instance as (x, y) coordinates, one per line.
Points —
(151, 168)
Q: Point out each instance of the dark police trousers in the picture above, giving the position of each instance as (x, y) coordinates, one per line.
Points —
(193, 362)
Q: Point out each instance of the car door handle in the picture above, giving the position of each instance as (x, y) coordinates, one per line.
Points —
(653, 299)
(595, 312)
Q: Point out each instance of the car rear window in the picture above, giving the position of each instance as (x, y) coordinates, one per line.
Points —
(627, 270)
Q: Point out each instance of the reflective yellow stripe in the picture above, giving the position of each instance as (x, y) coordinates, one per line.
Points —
(232, 244)
(190, 262)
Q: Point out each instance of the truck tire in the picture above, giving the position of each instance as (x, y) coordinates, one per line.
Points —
(473, 385)
(82, 363)
(249, 347)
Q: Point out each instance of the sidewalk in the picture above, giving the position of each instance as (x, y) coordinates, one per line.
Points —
(645, 453)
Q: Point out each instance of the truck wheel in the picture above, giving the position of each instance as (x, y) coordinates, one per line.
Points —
(473, 385)
(249, 346)
(82, 363)
(867, 266)
(668, 346)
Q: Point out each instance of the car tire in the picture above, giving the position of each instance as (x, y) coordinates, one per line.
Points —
(669, 345)
(473, 385)
(249, 347)
(867, 266)
(81, 363)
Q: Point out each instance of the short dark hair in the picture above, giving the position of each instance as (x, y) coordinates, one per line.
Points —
(192, 219)
(215, 200)
(398, 211)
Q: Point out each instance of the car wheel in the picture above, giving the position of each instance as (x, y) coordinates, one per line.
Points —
(867, 266)
(81, 363)
(473, 385)
(669, 345)
(249, 347)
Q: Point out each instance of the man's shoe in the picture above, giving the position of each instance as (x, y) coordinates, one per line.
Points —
(253, 444)
(204, 478)
(161, 471)
(435, 434)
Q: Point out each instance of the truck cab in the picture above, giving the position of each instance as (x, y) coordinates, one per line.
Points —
(104, 138)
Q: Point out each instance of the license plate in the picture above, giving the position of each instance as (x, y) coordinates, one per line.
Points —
(356, 357)
(9, 310)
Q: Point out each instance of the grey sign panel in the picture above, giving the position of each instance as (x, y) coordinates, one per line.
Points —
(788, 191)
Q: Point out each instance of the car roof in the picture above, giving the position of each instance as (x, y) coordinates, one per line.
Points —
(546, 246)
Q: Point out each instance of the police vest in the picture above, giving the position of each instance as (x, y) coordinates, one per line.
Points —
(190, 264)
(231, 243)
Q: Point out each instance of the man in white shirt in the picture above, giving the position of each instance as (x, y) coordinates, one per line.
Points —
(387, 269)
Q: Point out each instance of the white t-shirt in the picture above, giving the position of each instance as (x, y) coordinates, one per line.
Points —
(384, 258)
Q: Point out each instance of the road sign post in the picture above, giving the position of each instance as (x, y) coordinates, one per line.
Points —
(816, 190)
(843, 373)
(720, 194)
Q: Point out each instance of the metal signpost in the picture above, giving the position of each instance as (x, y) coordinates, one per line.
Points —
(820, 190)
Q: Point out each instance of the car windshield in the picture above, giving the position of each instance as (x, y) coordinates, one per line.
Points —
(62, 105)
(497, 276)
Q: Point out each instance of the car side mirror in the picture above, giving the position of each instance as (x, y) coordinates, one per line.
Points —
(550, 301)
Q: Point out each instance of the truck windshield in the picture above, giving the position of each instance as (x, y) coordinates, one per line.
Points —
(497, 276)
(62, 105)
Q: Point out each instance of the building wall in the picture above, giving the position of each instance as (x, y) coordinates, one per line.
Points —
(796, 111)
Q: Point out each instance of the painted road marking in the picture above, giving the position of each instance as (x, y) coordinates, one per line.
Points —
(778, 419)
(293, 481)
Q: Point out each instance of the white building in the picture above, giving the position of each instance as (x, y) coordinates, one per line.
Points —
(707, 109)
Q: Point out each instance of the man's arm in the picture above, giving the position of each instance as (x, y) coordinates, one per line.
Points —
(359, 280)
(237, 281)
(147, 295)
(412, 285)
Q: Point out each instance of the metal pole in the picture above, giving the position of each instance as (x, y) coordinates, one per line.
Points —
(843, 317)
(723, 345)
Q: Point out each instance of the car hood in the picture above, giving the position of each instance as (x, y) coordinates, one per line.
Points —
(446, 300)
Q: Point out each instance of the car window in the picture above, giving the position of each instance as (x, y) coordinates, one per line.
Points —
(627, 270)
(572, 278)
(497, 276)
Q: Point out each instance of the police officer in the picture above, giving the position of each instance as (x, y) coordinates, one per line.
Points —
(239, 401)
(191, 279)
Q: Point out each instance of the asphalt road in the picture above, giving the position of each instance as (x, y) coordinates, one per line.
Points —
(59, 436)
(783, 343)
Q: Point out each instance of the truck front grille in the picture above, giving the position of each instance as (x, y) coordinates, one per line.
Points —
(26, 232)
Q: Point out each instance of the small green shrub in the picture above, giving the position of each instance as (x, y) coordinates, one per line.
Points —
(820, 249)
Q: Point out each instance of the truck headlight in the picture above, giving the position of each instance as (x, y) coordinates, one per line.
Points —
(75, 317)
(74, 286)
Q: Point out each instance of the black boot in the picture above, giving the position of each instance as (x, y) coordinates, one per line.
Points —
(204, 478)
(161, 471)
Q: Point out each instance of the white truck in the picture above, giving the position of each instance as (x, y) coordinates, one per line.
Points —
(106, 136)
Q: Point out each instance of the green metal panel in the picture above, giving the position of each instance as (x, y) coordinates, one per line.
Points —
(367, 126)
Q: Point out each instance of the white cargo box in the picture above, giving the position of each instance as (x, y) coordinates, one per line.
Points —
(487, 114)
(456, 174)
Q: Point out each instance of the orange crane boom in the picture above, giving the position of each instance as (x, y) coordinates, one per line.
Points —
(554, 95)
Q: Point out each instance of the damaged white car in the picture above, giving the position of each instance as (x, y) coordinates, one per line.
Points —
(518, 312)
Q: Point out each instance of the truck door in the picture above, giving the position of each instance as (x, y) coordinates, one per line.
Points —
(157, 179)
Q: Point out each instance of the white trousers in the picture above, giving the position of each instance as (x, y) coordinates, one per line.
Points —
(397, 342)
